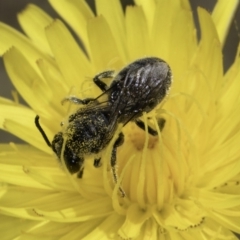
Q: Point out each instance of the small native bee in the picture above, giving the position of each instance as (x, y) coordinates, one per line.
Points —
(137, 88)
(88, 131)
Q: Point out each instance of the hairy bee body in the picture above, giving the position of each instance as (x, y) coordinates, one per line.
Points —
(87, 133)
(137, 88)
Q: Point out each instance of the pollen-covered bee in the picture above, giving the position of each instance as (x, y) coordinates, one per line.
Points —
(137, 88)
(88, 131)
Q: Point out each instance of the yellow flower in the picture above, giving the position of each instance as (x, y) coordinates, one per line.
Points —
(183, 184)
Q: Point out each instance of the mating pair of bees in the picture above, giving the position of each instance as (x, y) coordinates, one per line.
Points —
(137, 88)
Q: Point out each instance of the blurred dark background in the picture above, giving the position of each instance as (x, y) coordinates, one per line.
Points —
(9, 9)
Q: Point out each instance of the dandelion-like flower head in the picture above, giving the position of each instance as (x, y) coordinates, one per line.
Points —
(181, 184)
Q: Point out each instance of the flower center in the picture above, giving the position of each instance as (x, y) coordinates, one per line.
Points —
(137, 137)
(155, 179)
(148, 177)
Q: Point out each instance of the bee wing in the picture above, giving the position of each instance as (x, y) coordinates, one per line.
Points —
(95, 106)
(105, 108)
(126, 79)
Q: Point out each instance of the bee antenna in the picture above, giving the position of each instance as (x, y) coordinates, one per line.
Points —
(41, 131)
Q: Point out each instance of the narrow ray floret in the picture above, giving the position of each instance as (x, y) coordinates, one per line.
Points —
(137, 88)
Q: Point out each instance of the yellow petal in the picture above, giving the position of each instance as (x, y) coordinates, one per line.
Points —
(234, 212)
(56, 206)
(103, 47)
(27, 81)
(20, 177)
(222, 174)
(32, 168)
(56, 83)
(10, 37)
(215, 200)
(19, 213)
(76, 14)
(231, 223)
(209, 55)
(229, 98)
(20, 225)
(134, 221)
(50, 230)
(106, 229)
(137, 33)
(72, 61)
(20, 122)
(6, 101)
(79, 211)
(149, 10)
(222, 15)
(113, 13)
(33, 21)
(173, 36)
(73, 232)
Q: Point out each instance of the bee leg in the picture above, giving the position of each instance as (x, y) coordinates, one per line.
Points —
(39, 127)
(117, 143)
(80, 173)
(161, 123)
(80, 167)
(97, 162)
(97, 79)
(76, 100)
(141, 125)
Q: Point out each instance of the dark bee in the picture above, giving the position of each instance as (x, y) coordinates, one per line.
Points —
(137, 88)
(88, 131)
